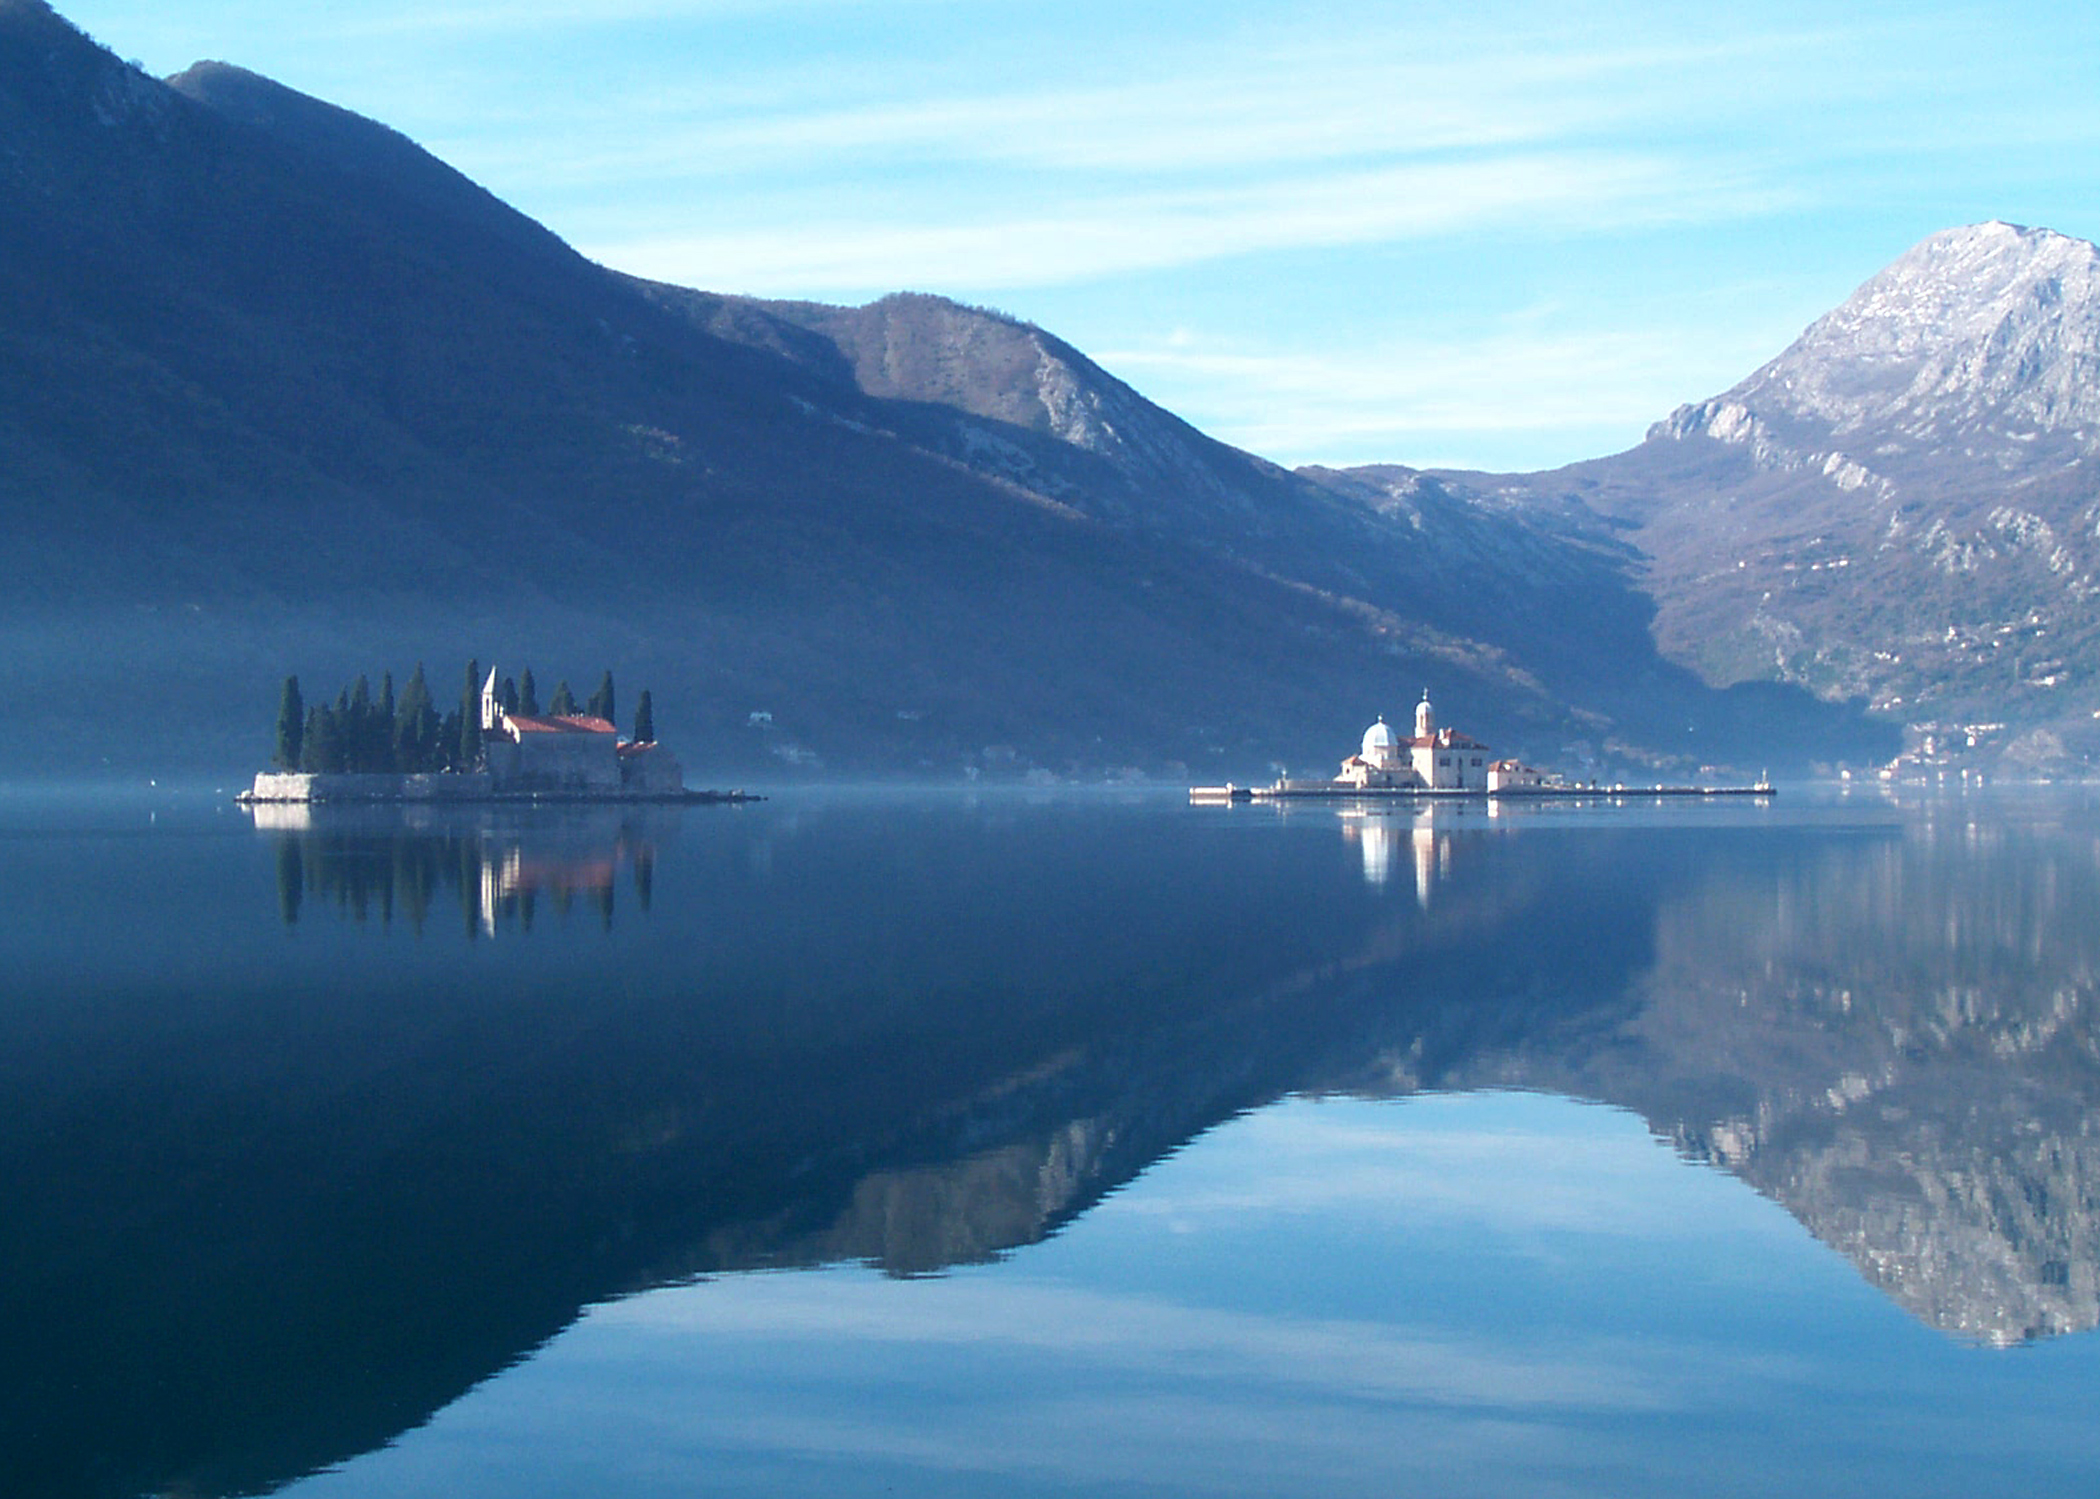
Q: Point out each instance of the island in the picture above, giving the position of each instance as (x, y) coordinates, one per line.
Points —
(1439, 763)
(496, 746)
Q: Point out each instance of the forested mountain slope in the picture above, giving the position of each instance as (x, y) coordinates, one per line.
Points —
(282, 392)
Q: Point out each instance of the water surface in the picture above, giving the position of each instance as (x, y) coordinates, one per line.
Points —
(935, 1144)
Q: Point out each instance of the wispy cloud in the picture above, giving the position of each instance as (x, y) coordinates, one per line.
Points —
(1115, 234)
(511, 17)
(1422, 400)
(841, 148)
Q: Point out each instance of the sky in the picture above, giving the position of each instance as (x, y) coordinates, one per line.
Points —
(1500, 236)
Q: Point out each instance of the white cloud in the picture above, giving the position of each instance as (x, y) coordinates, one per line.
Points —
(1109, 235)
(1381, 402)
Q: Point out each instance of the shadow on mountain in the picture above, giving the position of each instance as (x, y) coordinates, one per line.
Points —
(268, 1213)
(282, 392)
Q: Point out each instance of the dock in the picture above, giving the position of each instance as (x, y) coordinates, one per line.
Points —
(1343, 791)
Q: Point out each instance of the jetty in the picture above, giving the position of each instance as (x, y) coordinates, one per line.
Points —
(1440, 764)
(1344, 791)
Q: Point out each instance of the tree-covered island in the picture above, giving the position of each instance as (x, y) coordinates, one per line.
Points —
(496, 744)
(361, 733)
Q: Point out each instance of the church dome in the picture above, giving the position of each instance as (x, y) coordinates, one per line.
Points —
(1379, 742)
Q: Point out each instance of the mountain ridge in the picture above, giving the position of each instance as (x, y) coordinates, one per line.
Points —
(1901, 507)
(286, 394)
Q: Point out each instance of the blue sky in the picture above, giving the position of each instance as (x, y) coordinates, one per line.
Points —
(1500, 236)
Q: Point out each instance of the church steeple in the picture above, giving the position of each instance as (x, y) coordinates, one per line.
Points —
(491, 704)
(1425, 717)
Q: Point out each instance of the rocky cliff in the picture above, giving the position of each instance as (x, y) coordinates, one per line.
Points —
(1903, 506)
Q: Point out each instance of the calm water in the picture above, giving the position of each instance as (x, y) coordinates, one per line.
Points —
(911, 1143)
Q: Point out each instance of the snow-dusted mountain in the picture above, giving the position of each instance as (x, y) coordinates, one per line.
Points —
(1979, 347)
(1904, 505)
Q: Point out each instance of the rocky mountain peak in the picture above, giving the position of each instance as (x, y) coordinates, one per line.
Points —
(1987, 336)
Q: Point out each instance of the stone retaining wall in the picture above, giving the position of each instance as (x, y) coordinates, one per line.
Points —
(274, 786)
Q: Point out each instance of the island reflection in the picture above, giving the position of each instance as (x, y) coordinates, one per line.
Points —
(920, 1041)
(496, 865)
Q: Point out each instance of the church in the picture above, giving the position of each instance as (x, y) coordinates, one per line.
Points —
(568, 752)
(1433, 759)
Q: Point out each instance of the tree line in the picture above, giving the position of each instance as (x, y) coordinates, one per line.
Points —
(405, 734)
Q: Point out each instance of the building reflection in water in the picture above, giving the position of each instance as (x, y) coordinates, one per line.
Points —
(1379, 832)
(500, 866)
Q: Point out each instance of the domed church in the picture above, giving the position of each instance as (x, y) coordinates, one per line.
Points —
(1435, 759)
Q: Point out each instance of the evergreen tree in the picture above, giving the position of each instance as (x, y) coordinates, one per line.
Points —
(416, 726)
(601, 705)
(644, 719)
(382, 731)
(324, 739)
(291, 725)
(357, 727)
(564, 701)
(447, 752)
(508, 695)
(528, 695)
(469, 750)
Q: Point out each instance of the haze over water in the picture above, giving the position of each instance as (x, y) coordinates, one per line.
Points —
(851, 1143)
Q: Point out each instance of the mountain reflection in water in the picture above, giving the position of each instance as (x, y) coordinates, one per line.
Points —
(293, 1168)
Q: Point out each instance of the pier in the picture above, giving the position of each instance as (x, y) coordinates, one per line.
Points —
(1345, 791)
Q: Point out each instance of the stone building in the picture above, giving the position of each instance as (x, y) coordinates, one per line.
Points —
(569, 752)
(1438, 759)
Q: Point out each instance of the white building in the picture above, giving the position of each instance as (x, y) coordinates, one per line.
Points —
(1439, 759)
(568, 752)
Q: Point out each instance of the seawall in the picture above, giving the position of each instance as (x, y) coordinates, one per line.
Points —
(472, 786)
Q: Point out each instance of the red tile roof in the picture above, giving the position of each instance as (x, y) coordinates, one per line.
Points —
(568, 723)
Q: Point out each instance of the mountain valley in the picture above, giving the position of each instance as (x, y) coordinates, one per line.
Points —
(287, 394)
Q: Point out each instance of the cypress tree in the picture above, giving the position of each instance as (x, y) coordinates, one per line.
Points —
(469, 745)
(291, 725)
(357, 727)
(644, 719)
(448, 743)
(383, 727)
(508, 695)
(324, 741)
(563, 702)
(528, 695)
(416, 726)
(310, 739)
(601, 705)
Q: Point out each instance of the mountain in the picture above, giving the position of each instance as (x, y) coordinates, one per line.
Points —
(284, 393)
(1903, 506)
